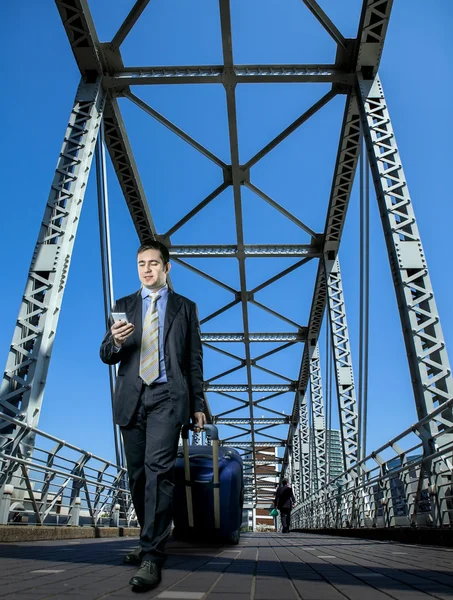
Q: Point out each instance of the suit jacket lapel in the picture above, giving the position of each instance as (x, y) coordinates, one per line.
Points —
(173, 305)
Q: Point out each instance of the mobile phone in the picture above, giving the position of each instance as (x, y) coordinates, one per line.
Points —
(119, 316)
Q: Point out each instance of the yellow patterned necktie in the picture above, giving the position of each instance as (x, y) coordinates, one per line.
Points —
(149, 352)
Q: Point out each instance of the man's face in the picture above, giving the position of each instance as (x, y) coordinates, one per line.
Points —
(151, 269)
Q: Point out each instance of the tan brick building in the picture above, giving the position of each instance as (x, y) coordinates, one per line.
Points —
(267, 474)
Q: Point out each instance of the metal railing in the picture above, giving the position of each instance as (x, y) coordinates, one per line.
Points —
(57, 483)
(407, 482)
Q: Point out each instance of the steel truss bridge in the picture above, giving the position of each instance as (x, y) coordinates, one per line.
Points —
(404, 482)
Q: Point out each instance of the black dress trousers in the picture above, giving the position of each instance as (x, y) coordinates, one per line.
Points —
(151, 445)
(285, 516)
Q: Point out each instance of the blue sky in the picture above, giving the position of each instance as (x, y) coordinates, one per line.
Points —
(41, 79)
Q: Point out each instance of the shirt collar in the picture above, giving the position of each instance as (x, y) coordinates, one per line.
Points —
(145, 292)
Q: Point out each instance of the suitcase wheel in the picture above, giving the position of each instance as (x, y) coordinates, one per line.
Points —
(234, 537)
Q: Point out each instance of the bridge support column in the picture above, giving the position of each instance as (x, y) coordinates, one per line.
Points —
(305, 446)
(24, 379)
(5, 503)
(431, 375)
(344, 376)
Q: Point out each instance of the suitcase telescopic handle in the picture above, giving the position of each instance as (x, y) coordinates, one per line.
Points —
(211, 431)
(214, 435)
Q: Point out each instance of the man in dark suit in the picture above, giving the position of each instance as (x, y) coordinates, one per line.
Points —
(284, 502)
(158, 388)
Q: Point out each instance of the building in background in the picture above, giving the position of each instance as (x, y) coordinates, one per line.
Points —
(334, 456)
(267, 476)
(335, 463)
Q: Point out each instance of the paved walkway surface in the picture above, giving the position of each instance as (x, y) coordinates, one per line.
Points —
(262, 567)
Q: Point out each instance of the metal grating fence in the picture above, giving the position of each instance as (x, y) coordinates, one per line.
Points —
(407, 482)
(56, 483)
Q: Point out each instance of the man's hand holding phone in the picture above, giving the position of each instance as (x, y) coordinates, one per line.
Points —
(121, 328)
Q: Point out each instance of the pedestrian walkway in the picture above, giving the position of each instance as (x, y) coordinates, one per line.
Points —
(262, 567)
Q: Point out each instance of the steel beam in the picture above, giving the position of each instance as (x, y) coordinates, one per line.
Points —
(126, 170)
(280, 208)
(254, 337)
(317, 407)
(246, 388)
(89, 55)
(257, 421)
(297, 460)
(321, 16)
(305, 436)
(251, 251)
(123, 161)
(344, 376)
(262, 462)
(237, 179)
(297, 445)
(22, 388)
(176, 130)
(106, 267)
(425, 345)
(154, 75)
(79, 27)
(290, 129)
(373, 25)
(196, 209)
(128, 23)
(269, 444)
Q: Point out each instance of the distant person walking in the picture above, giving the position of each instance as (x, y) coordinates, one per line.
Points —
(284, 502)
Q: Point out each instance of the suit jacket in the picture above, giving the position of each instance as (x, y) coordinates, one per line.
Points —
(284, 498)
(182, 353)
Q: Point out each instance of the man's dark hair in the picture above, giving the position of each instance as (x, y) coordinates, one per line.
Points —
(155, 245)
(284, 482)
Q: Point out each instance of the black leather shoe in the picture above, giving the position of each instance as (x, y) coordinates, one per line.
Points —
(148, 576)
(133, 558)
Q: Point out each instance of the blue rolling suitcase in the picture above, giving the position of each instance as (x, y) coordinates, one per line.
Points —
(209, 491)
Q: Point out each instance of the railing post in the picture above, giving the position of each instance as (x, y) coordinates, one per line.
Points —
(75, 512)
(5, 503)
(116, 516)
(387, 502)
